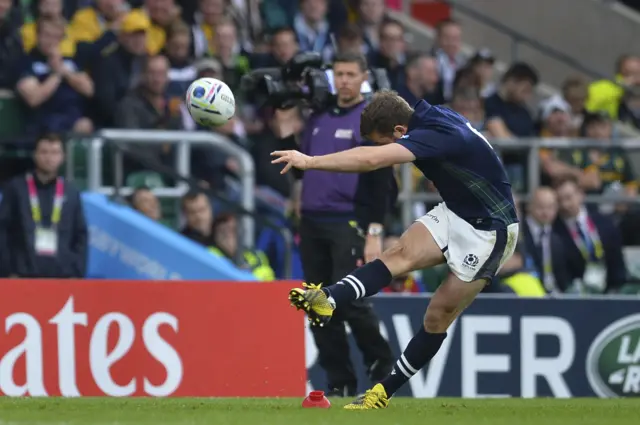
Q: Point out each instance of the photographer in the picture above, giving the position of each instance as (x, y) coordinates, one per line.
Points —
(334, 208)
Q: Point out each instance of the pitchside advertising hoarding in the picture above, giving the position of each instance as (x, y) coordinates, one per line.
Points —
(136, 338)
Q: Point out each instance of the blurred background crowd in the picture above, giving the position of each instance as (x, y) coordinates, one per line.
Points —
(69, 68)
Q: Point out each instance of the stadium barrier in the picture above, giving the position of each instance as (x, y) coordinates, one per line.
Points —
(515, 347)
(143, 338)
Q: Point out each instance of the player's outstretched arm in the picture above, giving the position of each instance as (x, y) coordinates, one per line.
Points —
(356, 160)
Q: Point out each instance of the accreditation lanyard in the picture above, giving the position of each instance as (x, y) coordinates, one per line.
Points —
(548, 278)
(36, 212)
(593, 252)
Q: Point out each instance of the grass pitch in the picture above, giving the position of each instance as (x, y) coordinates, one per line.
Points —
(88, 411)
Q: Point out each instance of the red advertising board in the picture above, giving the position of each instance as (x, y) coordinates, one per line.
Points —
(139, 338)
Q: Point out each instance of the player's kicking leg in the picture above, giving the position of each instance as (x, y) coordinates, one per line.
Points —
(415, 250)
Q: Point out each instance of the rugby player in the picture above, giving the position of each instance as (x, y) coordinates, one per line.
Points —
(474, 230)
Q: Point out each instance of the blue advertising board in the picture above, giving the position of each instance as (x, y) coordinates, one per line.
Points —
(124, 244)
(516, 347)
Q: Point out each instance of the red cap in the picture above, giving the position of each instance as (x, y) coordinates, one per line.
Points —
(316, 399)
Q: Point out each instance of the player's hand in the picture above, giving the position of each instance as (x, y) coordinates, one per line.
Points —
(292, 159)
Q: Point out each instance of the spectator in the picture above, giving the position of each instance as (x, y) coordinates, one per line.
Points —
(146, 106)
(162, 13)
(284, 46)
(181, 70)
(146, 203)
(234, 59)
(421, 80)
(543, 244)
(349, 39)
(575, 92)
(555, 118)
(467, 103)
(52, 85)
(117, 70)
(592, 243)
(89, 23)
(47, 9)
(312, 26)
(392, 53)
(10, 46)
(467, 77)
(225, 236)
(401, 284)
(482, 64)
(448, 52)
(370, 17)
(209, 14)
(605, 95)
(198, 214)
(630, 107)
(42, 225)
(507, 114)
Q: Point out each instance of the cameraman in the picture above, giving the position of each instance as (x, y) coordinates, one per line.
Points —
(333, 209)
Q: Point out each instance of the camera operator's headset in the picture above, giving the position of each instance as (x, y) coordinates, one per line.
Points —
(365, 88)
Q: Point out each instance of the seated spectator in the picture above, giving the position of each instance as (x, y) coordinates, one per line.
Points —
(482, 64)
(52, 85)
(448, 52)
(467, 77)
(163, 13)
(555, 118)
(371, 15)
(146, 203)
(592, 243)
(605, 95)
(392, 53)
(312, 27)
(89, 23)
(198, 214)
(284, 46)
(467, 103)
(181, 70)
(612, 165)
(207, 17)
(43, 233)
(47, 9)
(234, 59)
(118, 68)
(226, 244)
(421, 80)
(349, 39)
(575, 92)
(10, 45)
(630, 107)
(507, 113)
(543, 244)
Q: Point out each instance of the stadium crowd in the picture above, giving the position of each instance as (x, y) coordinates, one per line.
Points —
(75, 67)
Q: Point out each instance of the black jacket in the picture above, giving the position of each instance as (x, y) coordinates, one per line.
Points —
(559, 264)
(17, 232)
(10, 51)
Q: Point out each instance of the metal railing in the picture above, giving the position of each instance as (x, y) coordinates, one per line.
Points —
(407, 196)
(183, 140)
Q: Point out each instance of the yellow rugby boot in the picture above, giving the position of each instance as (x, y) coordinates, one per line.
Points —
(314, 302)
(375, 398)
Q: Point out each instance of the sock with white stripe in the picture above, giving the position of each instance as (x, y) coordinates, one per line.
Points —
(420, 350)
(363, 282)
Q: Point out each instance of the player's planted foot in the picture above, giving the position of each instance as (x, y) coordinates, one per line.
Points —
(375, 398)
(314, 302)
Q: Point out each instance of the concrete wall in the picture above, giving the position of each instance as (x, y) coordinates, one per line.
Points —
(585, 29)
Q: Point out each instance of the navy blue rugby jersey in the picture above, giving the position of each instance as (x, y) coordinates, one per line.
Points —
(462, 165)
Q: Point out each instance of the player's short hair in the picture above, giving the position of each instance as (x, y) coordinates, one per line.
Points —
(351, 57)
(521, 71)
(385, 111)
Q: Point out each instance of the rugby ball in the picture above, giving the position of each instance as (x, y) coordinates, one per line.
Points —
(210, 102)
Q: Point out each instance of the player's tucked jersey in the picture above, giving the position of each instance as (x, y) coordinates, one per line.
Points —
(462, 165)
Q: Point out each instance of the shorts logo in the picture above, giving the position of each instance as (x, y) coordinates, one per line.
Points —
(470, 261)
(433, 217)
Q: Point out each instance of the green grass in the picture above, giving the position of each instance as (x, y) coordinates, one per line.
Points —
(87, 411)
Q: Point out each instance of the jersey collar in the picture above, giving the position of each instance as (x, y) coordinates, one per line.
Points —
(420, 108)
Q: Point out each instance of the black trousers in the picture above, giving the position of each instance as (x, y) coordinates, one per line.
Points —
(329, 251)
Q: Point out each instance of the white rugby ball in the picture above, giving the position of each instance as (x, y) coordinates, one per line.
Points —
(210, 102)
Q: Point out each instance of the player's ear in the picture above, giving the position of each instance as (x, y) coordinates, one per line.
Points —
(399, 131)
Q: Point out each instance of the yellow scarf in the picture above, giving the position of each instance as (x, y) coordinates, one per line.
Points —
(209, 32)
